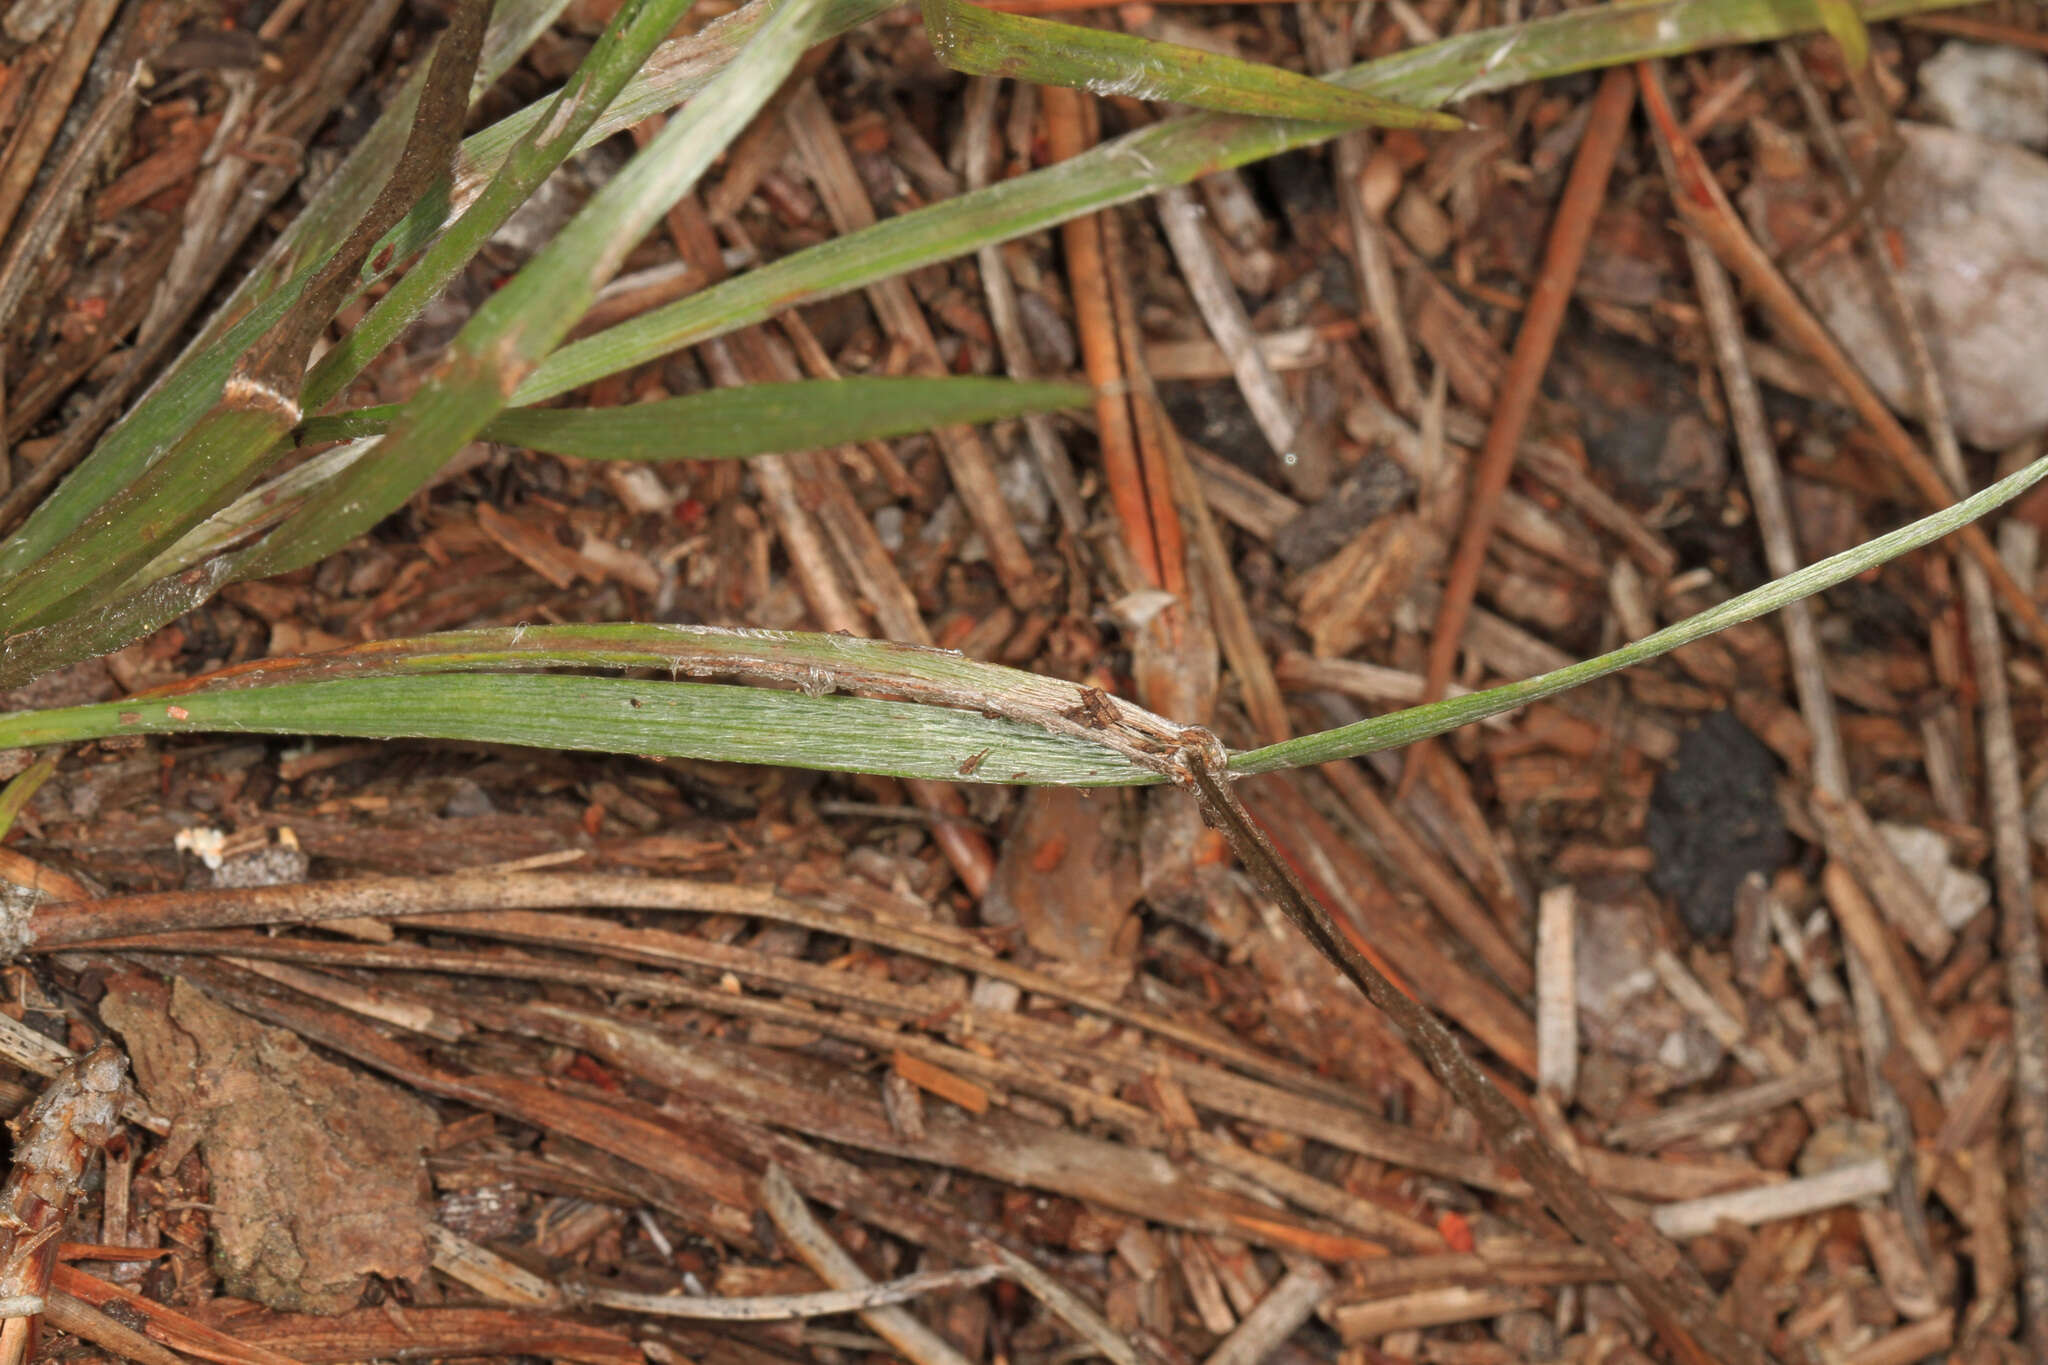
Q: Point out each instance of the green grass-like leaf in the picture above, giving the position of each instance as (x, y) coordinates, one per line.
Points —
(1424, 722)
(454, 687)
(758, 419)
(616, 715)
(678, 71)
(1845, 26)
(1173, 153)
(529, 316)
(985, 42)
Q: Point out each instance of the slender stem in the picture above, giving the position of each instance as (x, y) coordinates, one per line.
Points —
(1422, 722)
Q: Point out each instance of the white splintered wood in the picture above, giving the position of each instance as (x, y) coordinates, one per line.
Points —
(1557, 995)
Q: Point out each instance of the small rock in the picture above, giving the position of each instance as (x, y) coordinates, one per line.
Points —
(1373, 487)
(273, 865)
(468, 800)
(1967, 214)
(317, 1171)
(1713, 820)
(1992, 91)
(1643, 424)
(1623, 1010)
(1958, 895)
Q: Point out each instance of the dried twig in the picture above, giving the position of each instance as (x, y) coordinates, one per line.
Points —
(782, 1307)
(967, 456)
(88, 1323)
(317, 902)
(815, 1247)
(1329, 45)
(1216, 297)
(1541, 319)
(1680, 1121)
(1063, 1304)
(1151, 530)
(52, 102)
(1767, 495)
(977, 140)
(1557, 999)
(1286, 1306)
(1791, 1199)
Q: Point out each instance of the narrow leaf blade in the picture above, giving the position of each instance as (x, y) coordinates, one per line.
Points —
(984, 42)
(520, 324)
(615, 715)
(1175, 152)
(1437, 718)
(1845, 26)
(758, 419)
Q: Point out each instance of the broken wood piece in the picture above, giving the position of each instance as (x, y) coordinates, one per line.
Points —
(1293, 348)
(1330, 1201)
(1245, 502)
(88, 1323)
(1557, 996)
(1356, 1322)
(938, 1081)
(1276, 1317)
(488, 1273)
(1701, 1005)
(1915, 1341)
(1853, 839)
(1867, 1179)
(1867, 936)
(1666, 1179)
(1693, 1118)
(1517, 1262)
(783, 1307)
(1375, 684)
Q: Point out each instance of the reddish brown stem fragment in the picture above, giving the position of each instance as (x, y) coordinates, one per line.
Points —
(1095, 321)
(1652, 1268)
(1541, 319)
